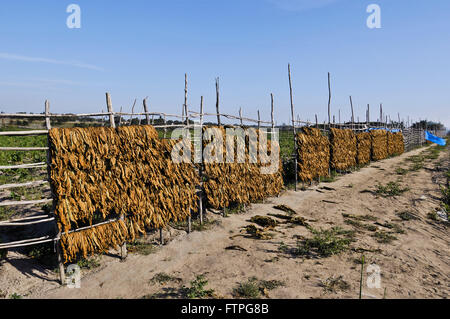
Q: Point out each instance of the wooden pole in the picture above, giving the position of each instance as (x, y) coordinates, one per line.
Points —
(110, 111)
(339, 117)
(123, 248)
(329, 98)
(132, 111)
(240, 115)
(62, 275)
(293, 124)
(185, 99)
(147, 117)
(200, 201)
(259, 123)
(217, 101)
(120, 117)
(271, 112)
(317, 122)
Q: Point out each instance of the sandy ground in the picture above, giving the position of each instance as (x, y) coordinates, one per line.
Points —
(416, 265)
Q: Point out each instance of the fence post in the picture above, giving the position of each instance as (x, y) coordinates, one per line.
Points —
(217, 101)
(185, 99)
(293, 126)
(62, 275)
(123, 248)
(353, 113)
(147, 117)
(200, 200)
(240, 116)
(271, 112)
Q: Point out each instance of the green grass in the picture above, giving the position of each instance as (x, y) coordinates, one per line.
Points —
(197, 289)
(88, 263)
(391, 189)
(43, 253)
(406, 216)
(433, 216)
(141, 248)
(325, 243)
(15, 296)
(253, 288)
(330, 179)
(6, 213)
(401, 171)
(207, 224)
(384, 237)
(248, 289)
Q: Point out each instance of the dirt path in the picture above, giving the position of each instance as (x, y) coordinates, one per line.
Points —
(415, 265)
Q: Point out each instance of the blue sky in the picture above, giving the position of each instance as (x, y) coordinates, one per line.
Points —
(140, 48)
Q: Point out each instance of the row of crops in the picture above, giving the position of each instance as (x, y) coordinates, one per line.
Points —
(126, 176)
(342, 149)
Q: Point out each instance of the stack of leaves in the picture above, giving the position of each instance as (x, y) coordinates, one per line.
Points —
(113, 172)
(379, 144)
(236, 178)
(391, 148)
(343, 149)
(95, 240)
(364, 147)
(399, 144)
(313, 154)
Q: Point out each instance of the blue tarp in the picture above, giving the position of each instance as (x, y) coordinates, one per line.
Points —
(434, 139)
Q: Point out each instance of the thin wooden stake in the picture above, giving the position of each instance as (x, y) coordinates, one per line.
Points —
(62, 275)
(147, 117)
(271, 112)
(217, 101)
(185, 99)
(200, 203)
(353, 114)
(240, 116)
(123, 247)
(120, 117)
(132, 112)
(259, 122)
(293, 124)
(329, 98)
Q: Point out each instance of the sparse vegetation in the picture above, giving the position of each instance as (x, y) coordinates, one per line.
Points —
(141, 248)
(392, 189)
(89, 263)
(335, 284)
(197, 289)
(406, 216)
(433, 216)
(208, 223)
(163, 278)
(325, 243)
(248, 289)
(401, 171)
(384, 237)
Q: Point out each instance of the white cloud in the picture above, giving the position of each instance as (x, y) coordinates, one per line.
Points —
(8, 56)
(300, 5)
